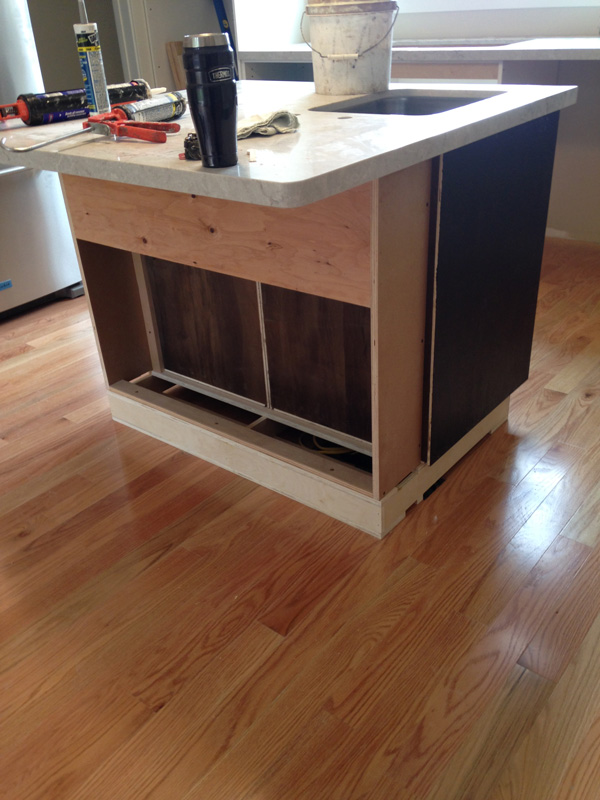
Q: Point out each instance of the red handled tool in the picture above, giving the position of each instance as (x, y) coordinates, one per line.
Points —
(16, 110)
(111, 123)
(116, 123)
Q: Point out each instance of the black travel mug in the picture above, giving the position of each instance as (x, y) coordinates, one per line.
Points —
(212, 96)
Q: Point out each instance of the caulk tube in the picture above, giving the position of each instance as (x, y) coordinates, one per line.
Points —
(162, 108)
(42, 109)
(92, 67)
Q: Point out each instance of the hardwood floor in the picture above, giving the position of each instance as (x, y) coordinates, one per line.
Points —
(169, 630)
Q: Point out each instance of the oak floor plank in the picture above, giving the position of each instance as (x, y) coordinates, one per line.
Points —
(89, 544)
(578, 370)
(299, 772)
(64, 444)
(539, 765)
(584, 525)
(18, 329)
(36, 514)
(205, 616)
(513, 563)
(88, 618)
(582, 777)
(570, 616)
(555, 417)
(474, 770)
(587, 434)
(65, 396)
(85, 722)
(551, 359)
(44, 317)
(303, 644)
(353, 771)
(31, 669)
(469, 680)
(133, 512)
(283, 720)
(174, 746)
(230, 723)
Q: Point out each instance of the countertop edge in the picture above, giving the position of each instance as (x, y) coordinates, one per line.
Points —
(260, 188)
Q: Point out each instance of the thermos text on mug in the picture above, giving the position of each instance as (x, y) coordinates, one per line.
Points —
(222, 74)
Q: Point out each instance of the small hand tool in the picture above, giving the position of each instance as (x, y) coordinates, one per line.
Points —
(116, 123)
(111, 123)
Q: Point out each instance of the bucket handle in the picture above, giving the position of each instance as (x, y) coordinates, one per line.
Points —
(348, 56)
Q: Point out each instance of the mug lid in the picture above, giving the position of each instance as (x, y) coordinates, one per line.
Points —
(205, 40)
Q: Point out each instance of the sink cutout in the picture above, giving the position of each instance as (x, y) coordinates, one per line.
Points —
(400, 102)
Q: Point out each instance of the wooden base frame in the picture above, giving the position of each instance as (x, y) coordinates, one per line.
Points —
(344, 494)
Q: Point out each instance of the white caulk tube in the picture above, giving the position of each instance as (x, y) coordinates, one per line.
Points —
(92, 65)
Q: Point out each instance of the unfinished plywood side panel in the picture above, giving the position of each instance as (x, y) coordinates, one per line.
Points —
(148, 313)
(400, 251)
(322, 248)
(114, 299)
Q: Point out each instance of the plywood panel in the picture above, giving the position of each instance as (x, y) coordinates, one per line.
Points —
(401, 217)
(322, 248)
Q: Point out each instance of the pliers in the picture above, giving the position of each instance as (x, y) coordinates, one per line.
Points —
(116, 123)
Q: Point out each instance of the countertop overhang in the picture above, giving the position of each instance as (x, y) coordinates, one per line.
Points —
(329, 154)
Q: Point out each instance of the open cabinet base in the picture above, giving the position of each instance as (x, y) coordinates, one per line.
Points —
(338, 490)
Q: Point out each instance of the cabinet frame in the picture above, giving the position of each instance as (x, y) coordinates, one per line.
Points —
(369, 246)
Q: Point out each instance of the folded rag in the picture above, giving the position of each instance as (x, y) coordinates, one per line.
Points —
(268, 124)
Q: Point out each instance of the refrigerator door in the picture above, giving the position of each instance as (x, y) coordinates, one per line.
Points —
(38, 255)
(19, 65)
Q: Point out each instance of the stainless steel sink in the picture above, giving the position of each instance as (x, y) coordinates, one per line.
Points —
(399, 101)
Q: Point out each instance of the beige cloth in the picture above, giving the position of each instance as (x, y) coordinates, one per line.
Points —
(268, 124)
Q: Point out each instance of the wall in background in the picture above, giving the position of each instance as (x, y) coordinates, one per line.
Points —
(144, 28)
(52, 25)
(261, 22)
(276, 23)
(411, 6)
(499, 23)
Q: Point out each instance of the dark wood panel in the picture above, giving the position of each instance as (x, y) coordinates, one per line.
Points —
(319, 359)
(208, 326)
(109, 272)
(494, 204)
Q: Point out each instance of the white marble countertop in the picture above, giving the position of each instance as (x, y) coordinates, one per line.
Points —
(330, 153)
(546, 49)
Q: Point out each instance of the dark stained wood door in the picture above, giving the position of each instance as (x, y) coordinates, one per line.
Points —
(494, 203)
(209, 327)
(319, 359)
